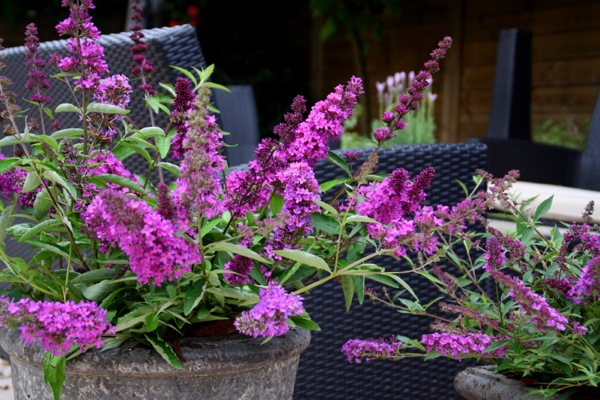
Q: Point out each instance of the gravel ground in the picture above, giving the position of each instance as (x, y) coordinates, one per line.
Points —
(6, 392)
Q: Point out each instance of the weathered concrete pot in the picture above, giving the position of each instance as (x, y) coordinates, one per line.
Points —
(481, 383)
(227, 367)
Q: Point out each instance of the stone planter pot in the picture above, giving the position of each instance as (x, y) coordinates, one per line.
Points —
(226, 367)
(481, 383)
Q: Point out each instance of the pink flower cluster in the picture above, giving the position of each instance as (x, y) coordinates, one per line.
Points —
(460, 345)
(392, 203)
(531, 304)
(155, 252)
(357, 350)
(87, 53)
(587, 288)
(269, 316)
(57, 326)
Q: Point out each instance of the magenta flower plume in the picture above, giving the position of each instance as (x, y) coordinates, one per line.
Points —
(240, 267)
(250, 189)
(357, 350)
(300, 191)
(460, 345)
(324, 122)
(391, 203)
(38, 81)
(409, 101)
(587, 288)
(269, 316)
(155, 252)
(532, 305)
(139, 49)
(87, 55)
(11, 181)
(182, 106)
(57, 326)
(199, 191)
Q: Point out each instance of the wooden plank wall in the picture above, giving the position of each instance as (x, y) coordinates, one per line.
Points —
(566, 57)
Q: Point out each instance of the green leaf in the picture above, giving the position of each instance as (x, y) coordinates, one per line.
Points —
(44, 226)
(276, 203)
(133, 318)
(193, 296)
(163, 143)
(327, 207)
(361, 218)
(543, 208)
(98, 291)
(163, 349)
(304, 258)
(305, 322)
(152, 322)
(54, 373)
(339, 161)
(385, 279)
(9, 163)
(56, 178)
(325, 186)
(150, 132)
(49, 140)
(106, 109)
(325, 223)
(187, 73)
(5, 220)
(42, 204)
(348, 288)
(119, 180)
(172, 168)
(69, 132)
(32, 181)
(67, 107)
(237, 249)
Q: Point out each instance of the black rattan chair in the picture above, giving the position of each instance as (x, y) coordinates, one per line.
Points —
(324, 372)
(509, 141)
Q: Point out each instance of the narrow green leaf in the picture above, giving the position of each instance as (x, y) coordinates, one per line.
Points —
(325, 186)
(56, 178)
(339, 161)
(171, 168)
(543, 208)
(304, 258)
(163, 143)
(119, 180)
(67, 107)
(325, 223)
(152, 322)
(237, 249)
(106, 109)
(9, 141)
(98, 291)
(32, 181)
(5, 220)
(44, 226)
(327, 207)
(361, 218)
(69, 132)
(276, 203)
(49, 140)
(54, 373)
(187, 73)
(348, 288)
(193, 296)
(163, 349)
(305, 322)
(150, 132)
(9, 163)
